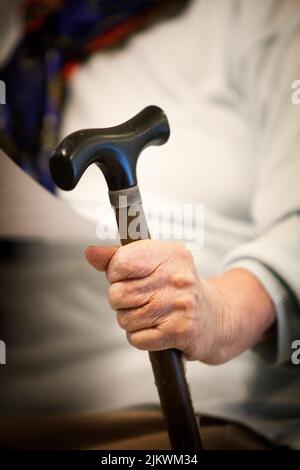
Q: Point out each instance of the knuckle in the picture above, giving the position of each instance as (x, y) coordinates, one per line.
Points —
(135, 341)
(184, 252)
(191, 303)
(185, 329)
(184, 338)
(115, 294)
(122, 262)
(185, 303)
(120, 266)
(182, 281)
(189, 328)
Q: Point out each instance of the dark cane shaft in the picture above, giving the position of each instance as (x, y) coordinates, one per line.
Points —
(167, 365)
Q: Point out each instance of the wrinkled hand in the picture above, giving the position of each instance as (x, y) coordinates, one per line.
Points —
(162, 303)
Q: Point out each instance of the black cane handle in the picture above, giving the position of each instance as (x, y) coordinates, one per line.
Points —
(115, 150)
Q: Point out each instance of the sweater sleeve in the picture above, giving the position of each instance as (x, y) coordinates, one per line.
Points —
(266, 70)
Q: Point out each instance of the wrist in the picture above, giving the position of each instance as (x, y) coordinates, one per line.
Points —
(247, 312)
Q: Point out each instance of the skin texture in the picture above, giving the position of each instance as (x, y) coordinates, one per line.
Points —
(161, 302)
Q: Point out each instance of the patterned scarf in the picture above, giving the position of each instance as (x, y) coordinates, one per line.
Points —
(58, 36)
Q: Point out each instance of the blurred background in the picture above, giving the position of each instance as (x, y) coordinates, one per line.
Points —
(222, 72)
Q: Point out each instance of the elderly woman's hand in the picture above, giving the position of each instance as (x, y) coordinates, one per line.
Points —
(162, 303)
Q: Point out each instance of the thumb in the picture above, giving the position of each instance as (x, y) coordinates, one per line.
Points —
(100, 256)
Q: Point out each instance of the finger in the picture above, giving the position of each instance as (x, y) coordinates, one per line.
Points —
(134, 293)
(146, 316)
(123, 296)
(136, 260)
(172, 331)
(100, 256)
(151, 339)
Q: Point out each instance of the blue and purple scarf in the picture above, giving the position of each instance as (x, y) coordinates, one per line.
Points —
(58, 36)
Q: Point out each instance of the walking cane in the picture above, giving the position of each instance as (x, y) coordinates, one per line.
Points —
(115, 151)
